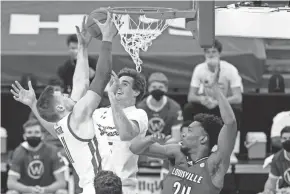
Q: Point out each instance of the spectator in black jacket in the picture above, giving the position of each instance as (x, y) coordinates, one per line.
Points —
(66, 71)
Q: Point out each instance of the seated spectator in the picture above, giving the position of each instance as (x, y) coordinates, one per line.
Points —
(279, 174)
(164, 113)
(36, 167)
(66, 71)
(200, 98)
(107, 182)
(280, 121)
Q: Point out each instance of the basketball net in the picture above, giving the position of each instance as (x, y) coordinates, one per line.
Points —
(138, 33)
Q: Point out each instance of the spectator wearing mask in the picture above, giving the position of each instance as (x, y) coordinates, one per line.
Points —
(279, 176)
(66, 71)
(280, 121)
(36, 167)
(164, 113)
(200, 98)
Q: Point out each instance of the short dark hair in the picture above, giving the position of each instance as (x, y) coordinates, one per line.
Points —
(185, 124)
(285, 130)
(218, 45)
(139, 81)
(45, 105)
(55, 82)
(71, 38)
(31, 122)
(107, 182)
(212, 126)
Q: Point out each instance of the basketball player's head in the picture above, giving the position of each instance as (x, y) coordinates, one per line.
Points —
(157, 85)
(212, 55)
(201, 133)
(32, 132)
(106, 182)
(285, 138)
(132, 87)
(53, 105)
(72, 44)
(57, 84)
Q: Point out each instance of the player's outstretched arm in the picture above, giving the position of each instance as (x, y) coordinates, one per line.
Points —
(84, 108)
(27, 97)
(228, 133)
(81, 75)
(153, 146)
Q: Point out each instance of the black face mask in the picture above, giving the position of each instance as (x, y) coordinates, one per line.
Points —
(286, 145)
(33, 141)
(157, 94)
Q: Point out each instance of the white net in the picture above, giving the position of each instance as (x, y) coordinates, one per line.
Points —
(138, 34)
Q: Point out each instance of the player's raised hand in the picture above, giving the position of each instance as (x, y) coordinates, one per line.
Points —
(84, 38)
(26, 97)
(108, 28)
(160, 138)
(114, 84)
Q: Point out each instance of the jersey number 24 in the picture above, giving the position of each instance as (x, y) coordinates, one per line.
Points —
(181, 189)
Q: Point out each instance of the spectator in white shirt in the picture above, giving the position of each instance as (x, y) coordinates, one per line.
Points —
(200, 98)
(280, 121)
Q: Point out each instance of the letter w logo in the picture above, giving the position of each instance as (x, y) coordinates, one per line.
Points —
(35, 169)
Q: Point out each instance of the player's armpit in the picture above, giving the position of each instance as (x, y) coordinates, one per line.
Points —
(84, 108)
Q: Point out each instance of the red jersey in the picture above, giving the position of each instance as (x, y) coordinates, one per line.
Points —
(193, 178)
(280, 168)
(163, 118)
(36, 167)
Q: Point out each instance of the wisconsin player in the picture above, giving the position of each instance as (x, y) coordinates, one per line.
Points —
(121, 123)
(196, 170)
(74, 126)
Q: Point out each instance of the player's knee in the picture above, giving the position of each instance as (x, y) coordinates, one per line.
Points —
(61, 191)
(12, 192)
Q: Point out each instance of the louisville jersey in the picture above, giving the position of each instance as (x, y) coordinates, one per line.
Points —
(163, 118)
(36, 167)
(193, 178)
(280, 168)
(123, 162)
(83, 154)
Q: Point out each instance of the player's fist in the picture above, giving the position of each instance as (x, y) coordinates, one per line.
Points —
(160, 138)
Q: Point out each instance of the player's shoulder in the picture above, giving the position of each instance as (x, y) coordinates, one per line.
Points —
(139, 112)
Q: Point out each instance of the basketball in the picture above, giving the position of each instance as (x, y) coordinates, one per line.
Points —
(92, 27)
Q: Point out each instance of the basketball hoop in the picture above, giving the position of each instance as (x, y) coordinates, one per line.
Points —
(139, 26)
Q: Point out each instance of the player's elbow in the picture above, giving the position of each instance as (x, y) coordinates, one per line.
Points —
(134, 149)
(126, 137)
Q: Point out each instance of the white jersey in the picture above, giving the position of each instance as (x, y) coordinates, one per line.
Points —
(123, 162)
(83, 154)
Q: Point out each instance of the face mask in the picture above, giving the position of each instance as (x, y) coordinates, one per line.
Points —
(286, 145)
(33, 141)
(157, 94)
